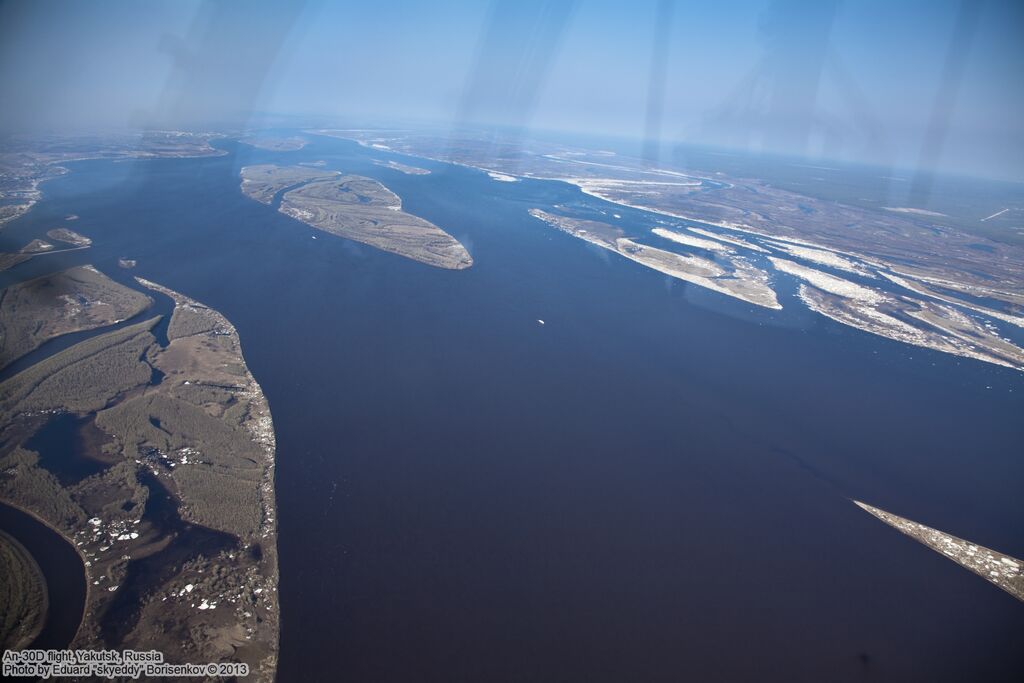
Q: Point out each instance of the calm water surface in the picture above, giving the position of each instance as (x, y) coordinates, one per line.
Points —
(63, 573)
(654, 485)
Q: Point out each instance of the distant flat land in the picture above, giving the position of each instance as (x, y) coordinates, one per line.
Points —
(404, 168)
(275, 144)
(261, 182)
(37, 247)
(920, 276)
(69, 236)
(77, 299)
(175, 518)
(26, 164)
(357, 208)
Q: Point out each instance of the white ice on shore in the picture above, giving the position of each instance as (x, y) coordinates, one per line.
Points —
(918, 288)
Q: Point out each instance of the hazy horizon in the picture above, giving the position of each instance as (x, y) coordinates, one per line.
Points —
(924, 85)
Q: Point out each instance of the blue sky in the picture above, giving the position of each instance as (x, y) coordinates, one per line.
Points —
(853, 80)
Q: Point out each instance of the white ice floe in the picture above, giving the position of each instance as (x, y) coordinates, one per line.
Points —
(502, 177)
(823, 257)
(916, 212)
(690, 241)
(828, 283)
(729, 239)
(997, 213)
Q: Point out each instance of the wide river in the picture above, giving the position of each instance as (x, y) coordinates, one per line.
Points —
(653, 485)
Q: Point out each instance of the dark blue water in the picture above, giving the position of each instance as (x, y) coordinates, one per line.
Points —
(69, 447)
(652, 486)
(62, 571)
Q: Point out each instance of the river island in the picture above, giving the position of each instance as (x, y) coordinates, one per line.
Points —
(357, 208)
